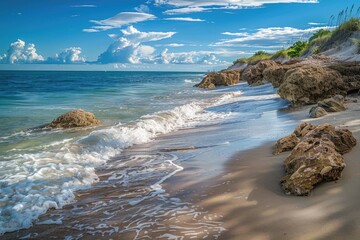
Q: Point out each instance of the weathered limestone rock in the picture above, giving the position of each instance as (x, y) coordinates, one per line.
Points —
(342, 138)
(309, 84)
(276, 74)
(316, 158)
(303, 129)
(223, 78)
(334, 104)
(286, 144)
(316, 112)
(73, 119)
(253, 74)
(312, 161)
(350, 72)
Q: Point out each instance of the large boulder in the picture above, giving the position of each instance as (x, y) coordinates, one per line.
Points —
(253, 74)
(308, 84)
(312, 161)
(73, 119)
(316, 158)
(222, 78)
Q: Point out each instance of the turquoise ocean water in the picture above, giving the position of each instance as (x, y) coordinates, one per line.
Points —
(42, 169)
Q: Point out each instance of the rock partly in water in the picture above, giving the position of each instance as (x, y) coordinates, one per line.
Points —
(73, 119)
(286, 144)
(334, 104)
(316, 158)
(316, 112)
(308, 84)
(312, 161)
(253, 74)
(223, 78)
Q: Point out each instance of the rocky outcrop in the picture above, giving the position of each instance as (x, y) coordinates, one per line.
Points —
(316, 112)
(73, 119)
(312, 161)
(309, 84)
(276, 74)
(334, 104)
(223, 78)
(350, 72)
(253, 74)
(316, 158)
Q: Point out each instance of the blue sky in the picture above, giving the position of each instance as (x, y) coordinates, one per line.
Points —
(154, 34)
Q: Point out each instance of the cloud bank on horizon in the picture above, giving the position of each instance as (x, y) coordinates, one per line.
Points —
(168, 32)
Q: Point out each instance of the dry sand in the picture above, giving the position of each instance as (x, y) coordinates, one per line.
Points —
(249, 200)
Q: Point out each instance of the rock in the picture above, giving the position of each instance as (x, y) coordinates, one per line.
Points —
(303, 129)
(276, 74)
(334, 104)
(342, 138)
(308, 84)
(286, 144)
(312, 161)
(316, 158)
(316, 112)
(350, 72)
(253, 74)
(223, 78)
(73, 119)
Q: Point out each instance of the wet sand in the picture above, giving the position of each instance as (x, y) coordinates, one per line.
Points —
(250, 202)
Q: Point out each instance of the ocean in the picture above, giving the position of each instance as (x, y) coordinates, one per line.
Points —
(108, 180)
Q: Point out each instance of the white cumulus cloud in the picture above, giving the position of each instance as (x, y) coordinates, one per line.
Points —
(190, 6)
(268, 36)
(192, 57)
(119, 20)
(20, 52)
(129, 47)
(68, 56)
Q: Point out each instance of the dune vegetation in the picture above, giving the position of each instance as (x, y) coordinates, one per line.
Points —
(320, 41)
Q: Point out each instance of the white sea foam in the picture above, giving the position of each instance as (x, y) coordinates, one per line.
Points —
(31, 183)
(189, 81)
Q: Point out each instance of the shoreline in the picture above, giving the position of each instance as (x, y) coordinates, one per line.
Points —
(252, 204)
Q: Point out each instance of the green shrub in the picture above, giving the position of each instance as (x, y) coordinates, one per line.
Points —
(259, 55)
(283, 53)
(297, 49)
(320, 34)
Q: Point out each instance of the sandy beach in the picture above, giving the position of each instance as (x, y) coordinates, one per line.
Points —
(249, 200)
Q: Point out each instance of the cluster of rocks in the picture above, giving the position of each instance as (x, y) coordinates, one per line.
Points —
(299, 82)
(74, 119)
(316, 156)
